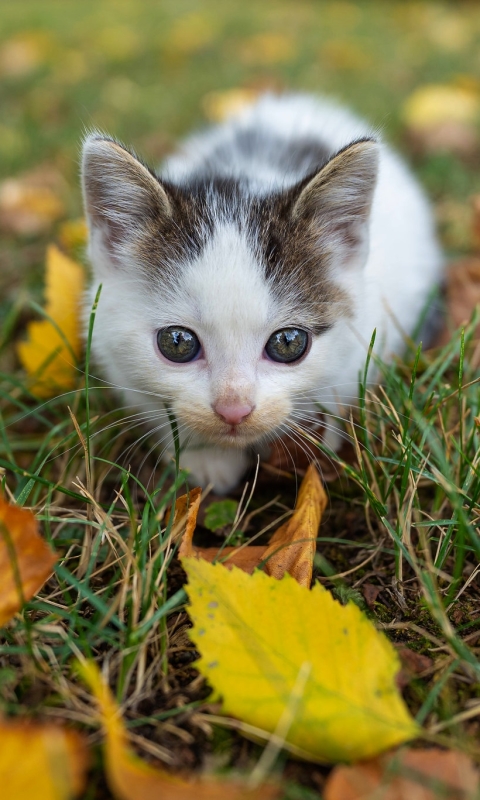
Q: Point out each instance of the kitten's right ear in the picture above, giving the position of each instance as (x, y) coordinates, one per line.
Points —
(121, 197)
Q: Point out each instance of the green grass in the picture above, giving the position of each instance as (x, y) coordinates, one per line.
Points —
(405, 507)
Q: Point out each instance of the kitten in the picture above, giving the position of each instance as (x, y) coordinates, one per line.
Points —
(242, 285)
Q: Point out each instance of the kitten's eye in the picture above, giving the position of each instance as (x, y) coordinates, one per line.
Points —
(287, 345)
(178, 344)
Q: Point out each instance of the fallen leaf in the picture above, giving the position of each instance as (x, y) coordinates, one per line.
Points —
(45, 762)
(267, 48)
(53, 345)
(257, 635)
(291, 548)
(443, 117)
(24, 53)
(370, 593)
(26, 561)
(462, 296)
(293, 545)
(32, 202)
(347, 55)
(73, 234)
(130, 778)
(218, 106)
(190, 34)
(434, 103)
(412, 664)
(407, 775)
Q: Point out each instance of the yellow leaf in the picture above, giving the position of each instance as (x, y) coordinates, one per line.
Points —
(49, 356)
(73, 233)
(30, 203)
(44, 762)
(435, 104)
(257, 635)
(218, 106)
(26, 560)
(130, 778)
(190, 34)
(267, 48)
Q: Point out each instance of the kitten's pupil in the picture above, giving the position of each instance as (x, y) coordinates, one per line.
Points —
(178, 344)
(287, 345)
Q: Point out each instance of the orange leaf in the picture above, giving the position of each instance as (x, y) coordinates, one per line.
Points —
(26, 561)
(407, 774)
(55, 343)
(291, 548)
(30, 203)
(130, 778)
(46, 762)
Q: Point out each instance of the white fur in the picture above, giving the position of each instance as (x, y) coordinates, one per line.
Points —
(222, 295)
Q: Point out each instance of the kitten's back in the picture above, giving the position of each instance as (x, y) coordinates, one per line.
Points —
(269, 146)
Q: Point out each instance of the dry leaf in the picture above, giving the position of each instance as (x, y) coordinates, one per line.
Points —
(346, 54)
(24, 53)
(32, 202)
(45, 762)
(256, 637)
(218, 106)
(443, 117)
(26, 561)
(462, 296)
(435, 103)
(267, 48)
(73, 233)
(291, 549)
(190, 34)
(407, 775)
(293, 546)
(130, 778)
(49, 356)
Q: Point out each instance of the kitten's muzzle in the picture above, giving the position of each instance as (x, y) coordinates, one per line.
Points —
(233, 413)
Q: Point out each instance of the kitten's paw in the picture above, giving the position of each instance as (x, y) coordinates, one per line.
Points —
(222, 468)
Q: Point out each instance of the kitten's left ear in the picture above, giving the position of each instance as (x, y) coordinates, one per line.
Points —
(122, 198)
(338, 199)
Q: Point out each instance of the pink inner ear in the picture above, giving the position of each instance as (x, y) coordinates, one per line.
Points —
(233, 414)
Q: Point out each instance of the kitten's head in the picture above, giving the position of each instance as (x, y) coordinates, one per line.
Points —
(225, 305)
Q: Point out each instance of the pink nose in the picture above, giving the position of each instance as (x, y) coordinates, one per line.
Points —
(232, 414)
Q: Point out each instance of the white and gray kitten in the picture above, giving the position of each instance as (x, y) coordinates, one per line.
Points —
(242, 284)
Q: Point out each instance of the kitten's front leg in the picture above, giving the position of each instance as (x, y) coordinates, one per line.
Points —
(222, 467)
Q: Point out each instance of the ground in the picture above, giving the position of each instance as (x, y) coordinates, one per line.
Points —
(400, 536)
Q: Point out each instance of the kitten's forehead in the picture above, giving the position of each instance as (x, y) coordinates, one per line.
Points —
(226, 283)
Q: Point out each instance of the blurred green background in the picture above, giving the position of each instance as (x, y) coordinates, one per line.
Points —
(147, 71)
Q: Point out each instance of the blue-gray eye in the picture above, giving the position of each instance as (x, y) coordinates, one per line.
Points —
(287, 345)
(178, 344)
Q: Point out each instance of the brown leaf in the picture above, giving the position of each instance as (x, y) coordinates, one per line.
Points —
(291, 549)
(32, 202)
(45, 762)
(462, 294)
(130, 778)
(412, 664)
(293, 546)
(26, 561)
(476, 222)
(406, 775)
(370, 593)
(443, 117)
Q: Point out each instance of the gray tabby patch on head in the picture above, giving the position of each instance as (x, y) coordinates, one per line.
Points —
(302, 236)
